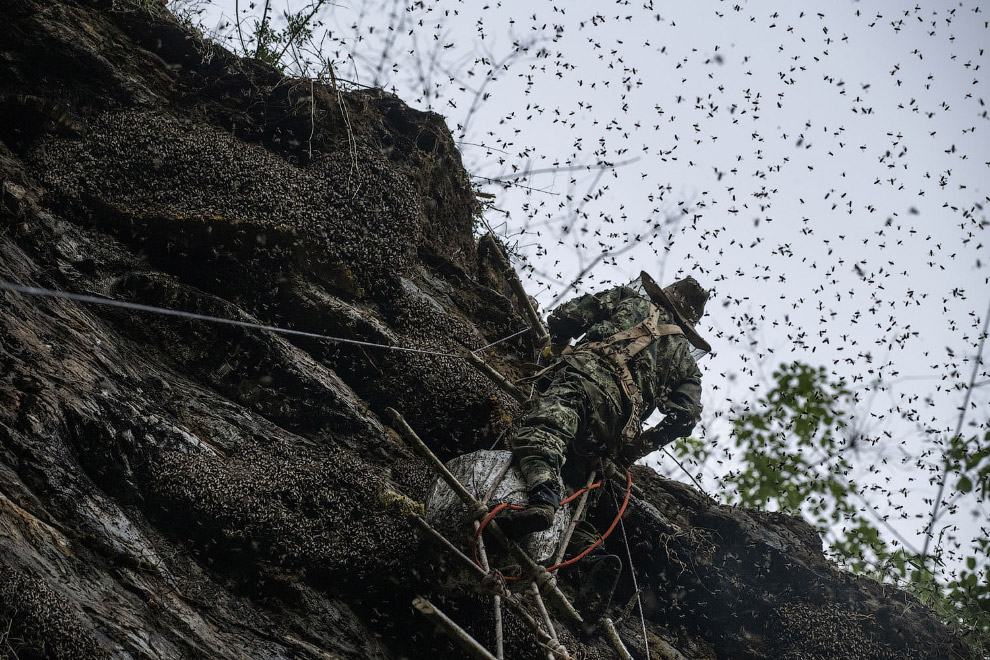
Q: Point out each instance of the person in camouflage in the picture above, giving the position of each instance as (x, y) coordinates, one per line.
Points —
(635, 356)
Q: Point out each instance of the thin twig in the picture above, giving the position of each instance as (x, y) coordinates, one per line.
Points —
(569, 168)
(484, 146)
(240, 31)
(394, 29)
(351, 140)
(962, 415)
(517, 185)
(684, 470)
(565, 541)
(490, 77)
(312, 116)
(498, 480)
(594, 262)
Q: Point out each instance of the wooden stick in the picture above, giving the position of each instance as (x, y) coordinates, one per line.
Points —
(539, 574)
(454, 631)
(535, 593)
(399, 422)
(539, 330)
(543, 579)
(512, 277)
(499, 634)
(468, 563)
(496, 599)
(562, 550)
(497, 587)
(613, 636)
(500, 380)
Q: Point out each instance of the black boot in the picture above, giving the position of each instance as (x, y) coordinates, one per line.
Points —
(602, 572)
(538, 516)
(517, 523)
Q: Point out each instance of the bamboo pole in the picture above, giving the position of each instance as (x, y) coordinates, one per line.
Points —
(497, 587)
(613, 636)
(512, 277)
(496, 599)
(399, 422)
(503, 383)
(544, 580)
(534, 591)
(478, 571)
(499, 633)
(539, 329)
(454, 631)
(562, 550)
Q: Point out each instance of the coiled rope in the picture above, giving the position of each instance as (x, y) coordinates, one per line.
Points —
(584, 553)
(165, 311)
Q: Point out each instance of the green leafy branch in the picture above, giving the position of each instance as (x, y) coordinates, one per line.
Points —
(792, 442)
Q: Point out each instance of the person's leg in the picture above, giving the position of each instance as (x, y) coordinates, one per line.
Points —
(539, 447)
(552, 425)
(574, 414)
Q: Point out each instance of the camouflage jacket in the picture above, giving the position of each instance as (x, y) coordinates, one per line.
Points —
(665, 372)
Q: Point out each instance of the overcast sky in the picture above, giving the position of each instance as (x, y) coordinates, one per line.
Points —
(824, 173)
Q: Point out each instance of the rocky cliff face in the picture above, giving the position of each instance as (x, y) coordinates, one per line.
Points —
(171, 488)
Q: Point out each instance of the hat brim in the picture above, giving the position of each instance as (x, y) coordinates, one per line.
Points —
(660, 298)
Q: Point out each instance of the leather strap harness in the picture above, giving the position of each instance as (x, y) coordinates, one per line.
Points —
(619, 349)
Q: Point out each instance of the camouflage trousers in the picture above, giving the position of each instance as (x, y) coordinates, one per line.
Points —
(576, 419)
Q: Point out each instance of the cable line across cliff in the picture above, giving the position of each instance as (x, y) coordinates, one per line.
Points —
(165, 311)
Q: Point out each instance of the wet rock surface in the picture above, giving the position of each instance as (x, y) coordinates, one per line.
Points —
(171, 488)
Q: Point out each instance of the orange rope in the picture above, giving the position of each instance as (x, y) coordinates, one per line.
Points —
(618, 517)
(572, 560)
(577, 494)
(488, 519)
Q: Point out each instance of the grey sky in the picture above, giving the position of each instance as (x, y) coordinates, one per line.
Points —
(825, 173)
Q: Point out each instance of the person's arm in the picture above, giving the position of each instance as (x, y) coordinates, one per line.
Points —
(682, 409)
(574, 317)
(683, 406)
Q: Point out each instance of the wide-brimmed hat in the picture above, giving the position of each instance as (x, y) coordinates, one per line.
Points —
(686, 299)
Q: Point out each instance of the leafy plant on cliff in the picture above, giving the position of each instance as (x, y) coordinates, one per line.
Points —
(263, 40)
(792, 444)
(257, 31)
